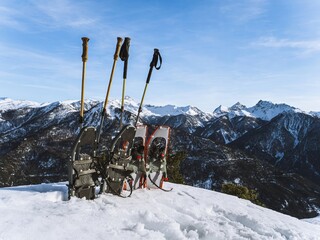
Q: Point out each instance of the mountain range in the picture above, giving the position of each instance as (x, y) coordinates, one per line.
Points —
(271, 148)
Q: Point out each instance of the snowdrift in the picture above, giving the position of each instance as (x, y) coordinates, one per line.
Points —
(42, 212)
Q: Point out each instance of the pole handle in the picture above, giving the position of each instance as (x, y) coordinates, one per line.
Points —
(154, 62)
(124, 55)
(155, 58)
(84, 56)
(116, 54)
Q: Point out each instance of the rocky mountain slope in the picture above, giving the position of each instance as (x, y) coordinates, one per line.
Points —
(272, 148)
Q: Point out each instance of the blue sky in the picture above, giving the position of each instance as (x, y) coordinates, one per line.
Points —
(214, 52)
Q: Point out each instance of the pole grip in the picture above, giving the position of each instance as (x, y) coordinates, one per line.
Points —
(116, 54)
(124, 55)
(153, 64)
(84, 56)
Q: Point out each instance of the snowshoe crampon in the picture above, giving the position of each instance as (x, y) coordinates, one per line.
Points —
(156, 153)
(81, 169)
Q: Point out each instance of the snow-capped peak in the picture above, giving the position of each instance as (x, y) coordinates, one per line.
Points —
(238, 106)
(8, 103)
(264, 110)
(267, 110)
(237, 109)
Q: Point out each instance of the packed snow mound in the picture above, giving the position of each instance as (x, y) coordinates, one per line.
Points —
(42, 212)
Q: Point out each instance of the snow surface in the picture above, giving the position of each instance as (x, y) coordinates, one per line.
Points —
(42, 212)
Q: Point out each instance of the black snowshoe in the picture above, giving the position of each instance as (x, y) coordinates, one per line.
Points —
(117, 177)
(82, 174)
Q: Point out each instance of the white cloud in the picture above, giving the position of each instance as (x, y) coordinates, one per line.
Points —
(8, 18)
(309, 46)
(63, 12)
(244, 11)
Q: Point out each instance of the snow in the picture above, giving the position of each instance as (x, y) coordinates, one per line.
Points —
(236, 110)
(267, 110)
(172, 110)
(42, 212)
(313, 220)
(8, 103)
(264, 110)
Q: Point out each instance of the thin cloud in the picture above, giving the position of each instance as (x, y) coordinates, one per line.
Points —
(8, 18)
(57, 13)
(309, 46)
(244, 11)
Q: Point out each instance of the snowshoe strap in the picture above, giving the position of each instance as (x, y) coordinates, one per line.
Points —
(89, 171)
(117, 166)
(80, 162)
(165, 190)
(119, 194)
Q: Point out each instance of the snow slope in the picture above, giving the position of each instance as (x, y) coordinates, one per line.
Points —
(42, 212)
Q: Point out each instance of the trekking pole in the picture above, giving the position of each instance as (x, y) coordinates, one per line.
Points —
(84, 56)
(104, 110)
(124, 55)
(153, 63)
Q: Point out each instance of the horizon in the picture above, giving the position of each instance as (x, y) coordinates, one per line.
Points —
(165, 105)
(214, 52)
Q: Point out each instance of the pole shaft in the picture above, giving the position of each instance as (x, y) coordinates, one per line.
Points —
(82, 93)
(142, 99)
(124, 56)
(84, 56)
(122, 101)
(104, 110)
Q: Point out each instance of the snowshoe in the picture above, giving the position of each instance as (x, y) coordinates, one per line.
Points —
(156, 158)
(117, 173)
(138, 161)
(81, 170)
